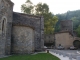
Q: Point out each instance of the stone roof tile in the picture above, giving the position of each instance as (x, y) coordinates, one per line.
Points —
(26, 20)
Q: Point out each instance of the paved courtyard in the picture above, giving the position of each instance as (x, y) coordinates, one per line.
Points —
(69, 53)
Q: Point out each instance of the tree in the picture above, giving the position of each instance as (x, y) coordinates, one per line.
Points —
(49, 20)
(27, 7)
(78, 31)
(41, 9)
(75, 22)
(50, 25)
(70, 15)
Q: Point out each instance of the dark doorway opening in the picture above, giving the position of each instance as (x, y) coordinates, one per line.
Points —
(76, 43)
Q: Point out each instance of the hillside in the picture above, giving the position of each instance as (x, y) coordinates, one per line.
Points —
(70, 15)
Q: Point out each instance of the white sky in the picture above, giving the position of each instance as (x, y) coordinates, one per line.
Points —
(56, 6)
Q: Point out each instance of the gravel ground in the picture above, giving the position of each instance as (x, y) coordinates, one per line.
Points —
(65, 54)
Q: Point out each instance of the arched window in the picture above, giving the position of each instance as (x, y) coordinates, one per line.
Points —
(3, 25)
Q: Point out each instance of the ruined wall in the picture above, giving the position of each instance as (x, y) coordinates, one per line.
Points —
(23, 39)
(66, 25)
(65, 39)
(6, 10)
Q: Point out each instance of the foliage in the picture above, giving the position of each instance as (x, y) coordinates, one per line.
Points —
(75, 22)
(78, 31)
(41, 9)
(70, 15)
(50, 25)
(40, 56)
(49, 19)
(27, 7)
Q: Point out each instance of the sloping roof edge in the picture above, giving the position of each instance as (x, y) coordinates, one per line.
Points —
(64, 32)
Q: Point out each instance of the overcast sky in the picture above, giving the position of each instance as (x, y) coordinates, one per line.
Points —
(56, 6)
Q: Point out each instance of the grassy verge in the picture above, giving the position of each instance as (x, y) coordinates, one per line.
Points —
(39, 56)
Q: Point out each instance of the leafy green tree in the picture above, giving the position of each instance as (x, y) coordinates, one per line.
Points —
(50, 25)
(27, 7)
(78, 31)
(41, 9)
(75, 22)
(49, 19)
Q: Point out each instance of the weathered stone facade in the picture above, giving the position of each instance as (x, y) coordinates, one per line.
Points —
(6, 10)
(23, 39)
(66, 25)
(66, 36)
(19, 33)
(34, 22)
(64, 39)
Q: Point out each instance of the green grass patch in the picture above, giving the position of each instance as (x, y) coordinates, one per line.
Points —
(39, 56)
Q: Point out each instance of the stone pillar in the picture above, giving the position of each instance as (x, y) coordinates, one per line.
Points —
(8, 38)
(2, 45)
(42, 32)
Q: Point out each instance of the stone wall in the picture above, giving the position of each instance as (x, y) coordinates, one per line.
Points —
(66, 25)
(76, 38)
(35, 22)
(65, 39)
(10, 19)
(6, 9)
(23, 39)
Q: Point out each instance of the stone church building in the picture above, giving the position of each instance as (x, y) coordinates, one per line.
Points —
(19, 33)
